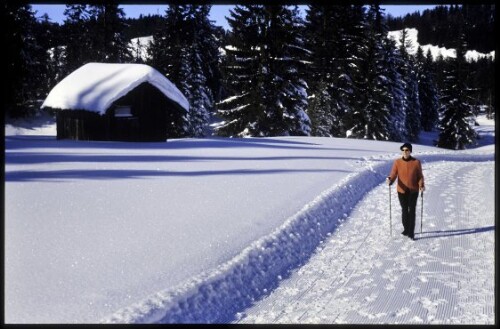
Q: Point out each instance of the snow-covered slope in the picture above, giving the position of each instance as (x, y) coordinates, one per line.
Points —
(176, 231)
(413, 44)
(140, 46)
(224, 294)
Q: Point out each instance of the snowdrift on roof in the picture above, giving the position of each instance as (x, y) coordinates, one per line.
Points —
(95, 86)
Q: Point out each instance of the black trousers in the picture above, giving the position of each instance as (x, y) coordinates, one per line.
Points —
(408, 202)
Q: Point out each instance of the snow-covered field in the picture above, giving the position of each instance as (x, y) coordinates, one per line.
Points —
(292, 229)
(362, 274)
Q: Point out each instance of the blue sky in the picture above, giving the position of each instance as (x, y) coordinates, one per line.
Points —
(218, 13)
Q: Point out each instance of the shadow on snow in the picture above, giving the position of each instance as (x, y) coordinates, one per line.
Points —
(446, 233)
(61, 175)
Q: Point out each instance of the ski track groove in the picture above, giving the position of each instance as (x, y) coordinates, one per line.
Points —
(330, 280)
(428, 281)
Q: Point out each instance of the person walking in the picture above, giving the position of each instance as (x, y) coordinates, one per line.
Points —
(408, 171)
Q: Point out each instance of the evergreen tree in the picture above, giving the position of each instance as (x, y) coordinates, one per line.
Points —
(186, 51)
(78, 40)
(56, 65)
(48, 35)
(371, 116)
(456, 114)
(321, 107)
(264, 74)
(209, 37)
(25, 61)
(166, 48)
(139, 51)
(356, 49)
(397, 126)
(330, 85)
(484, 79)
(427, 91)
(440, 26)
(196, 91)
(94, 34)
(168, 53)
(411, 105)
(240, 69)
(107, 25)
(439, 66)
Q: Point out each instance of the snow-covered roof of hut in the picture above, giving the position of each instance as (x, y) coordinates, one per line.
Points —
(95, 86)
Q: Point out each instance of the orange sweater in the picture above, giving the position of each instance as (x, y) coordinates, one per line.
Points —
(409, 174)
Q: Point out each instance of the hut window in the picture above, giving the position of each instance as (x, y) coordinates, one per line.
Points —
(123, 111)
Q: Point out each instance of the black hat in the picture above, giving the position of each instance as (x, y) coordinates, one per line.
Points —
(407, 145)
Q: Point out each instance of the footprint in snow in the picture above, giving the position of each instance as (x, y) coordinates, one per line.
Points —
(401, 312)
(422, 278)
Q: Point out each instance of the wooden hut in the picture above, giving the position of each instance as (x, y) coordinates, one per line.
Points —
(120, 102)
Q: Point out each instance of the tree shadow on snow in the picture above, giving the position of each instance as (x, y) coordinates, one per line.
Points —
(46, 158)
(48, 142)
(21, 142)
(67, 175)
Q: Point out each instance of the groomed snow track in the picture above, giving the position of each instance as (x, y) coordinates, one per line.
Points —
(217, 296)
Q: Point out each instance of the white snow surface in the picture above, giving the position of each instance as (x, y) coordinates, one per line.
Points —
(361, 274)
(95, 86)
(141, 45)
(216, 230)
(413, 44)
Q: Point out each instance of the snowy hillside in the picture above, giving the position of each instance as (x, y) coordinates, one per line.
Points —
(413, 44)
(140, 45)
(199, 230)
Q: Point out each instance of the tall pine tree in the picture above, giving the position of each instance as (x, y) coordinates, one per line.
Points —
(427, 91)
(107, 25)
(330, 86)
(456, 114)
(78, 39)
(371, 116)
(185, 50)
(321, 111)
(25, 59)
(397, 126)
(264, 65)
(411, 105)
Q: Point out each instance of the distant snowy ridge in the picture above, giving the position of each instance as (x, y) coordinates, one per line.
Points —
(140, 47)
(215, 297)
(412, 35)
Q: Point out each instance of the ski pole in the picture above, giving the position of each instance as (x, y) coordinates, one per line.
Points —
(421, 211)
(390, 211)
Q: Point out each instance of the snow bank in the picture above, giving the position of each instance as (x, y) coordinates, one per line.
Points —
(215, 297)
(42, 125)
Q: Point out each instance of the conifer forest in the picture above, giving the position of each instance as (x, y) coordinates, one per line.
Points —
(330, 71)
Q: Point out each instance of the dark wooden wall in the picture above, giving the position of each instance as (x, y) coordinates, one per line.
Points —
(154, 118)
